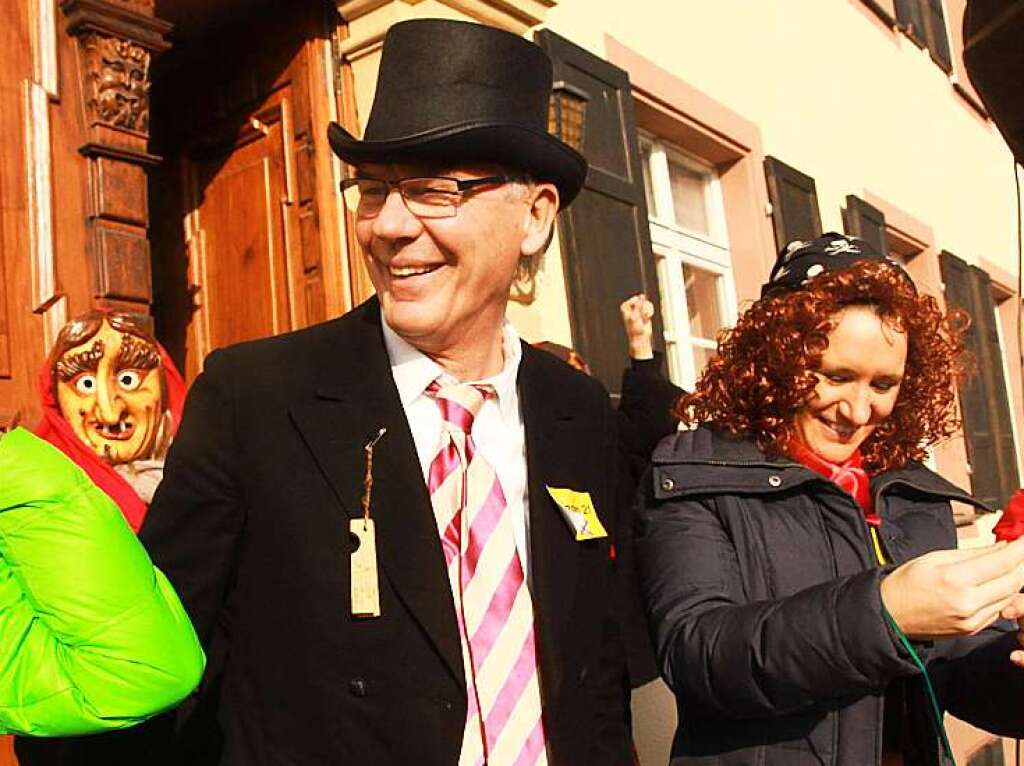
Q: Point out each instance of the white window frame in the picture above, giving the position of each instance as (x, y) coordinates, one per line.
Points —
(674, 246)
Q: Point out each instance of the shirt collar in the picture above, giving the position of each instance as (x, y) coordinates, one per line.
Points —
(413, 370)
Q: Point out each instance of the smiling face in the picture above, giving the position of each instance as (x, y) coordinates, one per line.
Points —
(858, 383)
(443, 283)
(109, 391)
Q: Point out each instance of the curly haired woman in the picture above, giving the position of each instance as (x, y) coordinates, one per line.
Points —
(799, 563)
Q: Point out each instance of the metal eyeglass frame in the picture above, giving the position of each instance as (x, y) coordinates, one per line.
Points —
(462, 185)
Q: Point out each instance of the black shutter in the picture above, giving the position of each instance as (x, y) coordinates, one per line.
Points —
(605, 235)
(866, 221)
(983, 400)
(994, 377)
(794, 199)
(978, 431)
(910, 16)
(925, 24)
(938, 41)
(881, 11)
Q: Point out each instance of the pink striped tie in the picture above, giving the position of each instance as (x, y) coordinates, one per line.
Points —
(493, 604)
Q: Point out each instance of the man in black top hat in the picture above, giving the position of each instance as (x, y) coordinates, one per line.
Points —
(351, 607)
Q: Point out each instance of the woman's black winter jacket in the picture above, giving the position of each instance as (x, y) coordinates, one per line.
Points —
(762, 591)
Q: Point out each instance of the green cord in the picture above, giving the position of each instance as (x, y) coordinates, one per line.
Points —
(936, 712)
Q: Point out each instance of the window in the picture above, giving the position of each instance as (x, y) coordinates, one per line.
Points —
(924, 22)
(691, 248)
(991, 754)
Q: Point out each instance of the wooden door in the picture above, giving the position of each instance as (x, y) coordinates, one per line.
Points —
(244, 207)
(242, 234)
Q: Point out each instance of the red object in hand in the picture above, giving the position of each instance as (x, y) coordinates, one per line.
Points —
(1011, 525)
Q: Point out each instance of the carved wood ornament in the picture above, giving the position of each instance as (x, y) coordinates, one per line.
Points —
(117, 42)
(118, 77)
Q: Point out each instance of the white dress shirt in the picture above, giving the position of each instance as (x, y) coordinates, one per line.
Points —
(497, 429)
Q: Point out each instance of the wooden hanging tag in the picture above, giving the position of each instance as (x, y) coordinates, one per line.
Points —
(365, 590)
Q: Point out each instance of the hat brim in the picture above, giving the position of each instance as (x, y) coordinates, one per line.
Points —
(518, 147)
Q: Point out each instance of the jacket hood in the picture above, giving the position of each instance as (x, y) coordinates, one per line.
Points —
(705, 444)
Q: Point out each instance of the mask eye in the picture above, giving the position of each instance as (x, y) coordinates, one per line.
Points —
(85, 384)
(128, 380)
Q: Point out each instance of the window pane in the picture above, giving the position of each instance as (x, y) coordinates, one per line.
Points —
(702, 302)
(990, 755)
(688, 197)
(645, 165)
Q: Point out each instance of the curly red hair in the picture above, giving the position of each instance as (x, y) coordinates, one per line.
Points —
(763, 372)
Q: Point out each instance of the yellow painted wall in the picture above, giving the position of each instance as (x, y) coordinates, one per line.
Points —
(837, 97)
(545, 315)
(857, 107)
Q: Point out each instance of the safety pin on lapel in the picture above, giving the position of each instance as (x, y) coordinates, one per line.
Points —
(365, 587)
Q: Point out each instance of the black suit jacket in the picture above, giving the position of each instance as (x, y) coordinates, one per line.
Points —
(251, 526)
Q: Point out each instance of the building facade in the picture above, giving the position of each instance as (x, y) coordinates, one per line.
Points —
(169, 157)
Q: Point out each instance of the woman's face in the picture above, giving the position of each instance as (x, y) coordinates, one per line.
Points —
(858, 382)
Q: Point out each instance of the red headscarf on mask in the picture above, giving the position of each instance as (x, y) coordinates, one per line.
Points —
(56, 430)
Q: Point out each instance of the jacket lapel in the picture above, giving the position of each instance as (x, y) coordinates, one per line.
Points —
(355, 398)
(555, 439)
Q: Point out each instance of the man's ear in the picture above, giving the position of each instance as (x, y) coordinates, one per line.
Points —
(541, 209)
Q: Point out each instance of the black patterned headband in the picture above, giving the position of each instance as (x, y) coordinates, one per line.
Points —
(800, 262)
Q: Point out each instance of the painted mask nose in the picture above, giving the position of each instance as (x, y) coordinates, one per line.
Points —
(109, 408)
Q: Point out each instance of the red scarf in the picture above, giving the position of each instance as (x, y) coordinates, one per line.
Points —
(849, 476)
(55, 429)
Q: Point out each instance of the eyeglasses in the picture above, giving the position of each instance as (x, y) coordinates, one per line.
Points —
(428, 197)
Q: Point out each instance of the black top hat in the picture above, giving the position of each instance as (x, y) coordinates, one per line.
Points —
(799, 262)
(453, 91)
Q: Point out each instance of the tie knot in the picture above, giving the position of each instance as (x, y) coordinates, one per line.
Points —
(460, 403)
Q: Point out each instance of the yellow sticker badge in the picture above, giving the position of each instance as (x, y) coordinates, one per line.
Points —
(579, 513)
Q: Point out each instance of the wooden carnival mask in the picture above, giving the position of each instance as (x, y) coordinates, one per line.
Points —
(108, 381)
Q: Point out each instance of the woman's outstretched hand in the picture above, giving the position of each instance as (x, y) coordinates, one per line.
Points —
(957, 592)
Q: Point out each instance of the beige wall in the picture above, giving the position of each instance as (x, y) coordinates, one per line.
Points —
(543, 312)
(840, 96)
(852, 104)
